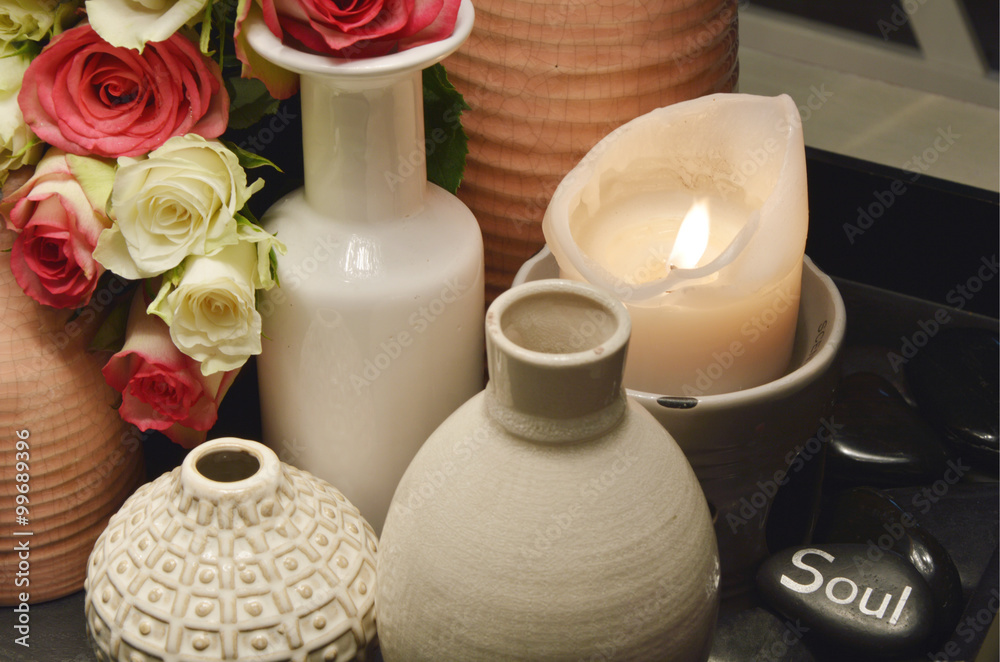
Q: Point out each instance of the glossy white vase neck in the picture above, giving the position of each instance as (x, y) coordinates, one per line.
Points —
(556, 350)
(373, 165)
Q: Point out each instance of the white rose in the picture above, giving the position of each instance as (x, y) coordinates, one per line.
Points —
(209, 308)
(32, 20)
(180, 200)
(18, 145)
(131, 23)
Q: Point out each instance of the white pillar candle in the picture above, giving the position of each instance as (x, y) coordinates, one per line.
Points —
(714, 307)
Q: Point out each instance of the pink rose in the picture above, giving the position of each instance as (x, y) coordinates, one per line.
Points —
(162, 389)
(58, 223)
(361, 28)
(87, 97)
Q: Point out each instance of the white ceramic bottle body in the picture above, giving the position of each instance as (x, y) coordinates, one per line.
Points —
(549, 517)
(375, 335)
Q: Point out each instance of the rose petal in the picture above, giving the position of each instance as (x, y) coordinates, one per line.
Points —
(162, 389)
(87, 97)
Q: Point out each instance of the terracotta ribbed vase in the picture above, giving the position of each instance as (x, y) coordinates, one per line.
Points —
(547, 79)
(79, 460)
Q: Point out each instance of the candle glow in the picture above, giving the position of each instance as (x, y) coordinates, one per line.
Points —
(695, 216)
(692, 238)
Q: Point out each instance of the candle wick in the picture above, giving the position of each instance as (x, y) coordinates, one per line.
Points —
(726, 257)
(677, 276)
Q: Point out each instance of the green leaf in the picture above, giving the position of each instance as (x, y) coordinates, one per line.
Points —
(110, 337)
(28, 49)
(447, 144)
(249, 102)
(249, 160)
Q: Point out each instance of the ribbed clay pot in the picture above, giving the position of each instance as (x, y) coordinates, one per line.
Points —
(547, 79)
(78, 460)
(550, 517)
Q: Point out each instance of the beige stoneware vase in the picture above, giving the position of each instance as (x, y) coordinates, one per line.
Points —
(547, 79)
(67, 459)
(234, 555)
(550, 517)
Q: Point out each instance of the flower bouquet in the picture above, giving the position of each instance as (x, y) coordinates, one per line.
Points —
(116, 181)
(126, 202)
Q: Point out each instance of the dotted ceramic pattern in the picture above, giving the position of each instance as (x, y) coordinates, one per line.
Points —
(289, 577)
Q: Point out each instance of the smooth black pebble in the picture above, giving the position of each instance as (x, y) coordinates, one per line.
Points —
(963, 517)
(879, 439)
(878, 609)
(873, 518)
(955, 381)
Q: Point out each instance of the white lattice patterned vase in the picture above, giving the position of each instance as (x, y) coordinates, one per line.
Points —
(234, 555)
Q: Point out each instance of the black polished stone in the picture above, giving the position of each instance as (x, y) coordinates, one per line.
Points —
(962, 517)
(873, 518)
(879, 439)
(956, 382)
(758, 634)
(875, 359)
(872, 609)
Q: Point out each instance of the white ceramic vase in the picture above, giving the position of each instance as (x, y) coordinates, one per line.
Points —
(233, 556)
(550, 517)
(375, 334)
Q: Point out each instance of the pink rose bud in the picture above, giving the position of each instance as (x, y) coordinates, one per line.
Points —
(163, 389)
(58, 226)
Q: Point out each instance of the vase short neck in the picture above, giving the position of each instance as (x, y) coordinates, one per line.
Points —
(556, 351)
(223, 474)
(363, 146)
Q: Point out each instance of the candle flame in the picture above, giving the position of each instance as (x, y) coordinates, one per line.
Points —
(692, 237)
